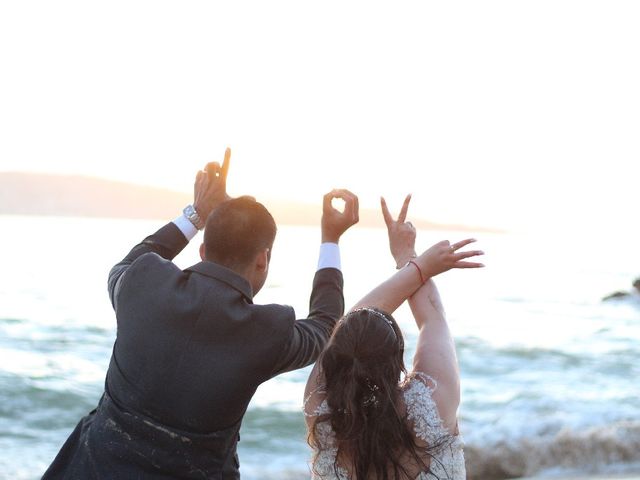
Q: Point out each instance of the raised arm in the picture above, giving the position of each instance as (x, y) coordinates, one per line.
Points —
(326, 305)
(390, 294)
(436, 353)
(413, 270)
(209, 191)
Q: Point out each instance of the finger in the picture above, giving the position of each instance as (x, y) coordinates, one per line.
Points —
(468, 265)
(326, 201)
(341, 193)
(356, 217)
(201, 180)
(350, 205)
(473, 253)
(225, 164)
(386, 215)
(405, 208)
(462, 243)
(350, 200)
(212, 169)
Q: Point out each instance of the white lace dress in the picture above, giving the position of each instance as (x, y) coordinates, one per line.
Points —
(447, 461)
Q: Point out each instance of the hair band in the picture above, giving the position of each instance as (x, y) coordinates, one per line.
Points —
(377, 314)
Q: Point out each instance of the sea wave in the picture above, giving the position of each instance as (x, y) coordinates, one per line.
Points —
(579, 453)
(613, 448)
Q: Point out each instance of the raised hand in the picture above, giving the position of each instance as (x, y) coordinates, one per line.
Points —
(444, 256)
(334, 223)
(210, 187)
(402, 234)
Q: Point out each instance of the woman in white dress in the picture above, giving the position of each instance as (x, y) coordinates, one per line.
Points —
(364, 420)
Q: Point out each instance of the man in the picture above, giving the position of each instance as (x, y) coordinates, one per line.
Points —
(191, 345)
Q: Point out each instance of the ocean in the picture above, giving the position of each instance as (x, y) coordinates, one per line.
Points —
(550, 373)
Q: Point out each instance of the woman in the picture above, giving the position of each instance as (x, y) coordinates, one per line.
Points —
(364, 421)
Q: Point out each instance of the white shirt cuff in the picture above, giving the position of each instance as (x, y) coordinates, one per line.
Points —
(329, 256)
(186, 227)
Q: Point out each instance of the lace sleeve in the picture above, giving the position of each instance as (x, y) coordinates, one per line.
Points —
(323, 444)
(422, 410)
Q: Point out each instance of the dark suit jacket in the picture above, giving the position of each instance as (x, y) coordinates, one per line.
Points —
(190, 351)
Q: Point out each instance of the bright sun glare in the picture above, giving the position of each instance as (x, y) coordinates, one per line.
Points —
(509, 114)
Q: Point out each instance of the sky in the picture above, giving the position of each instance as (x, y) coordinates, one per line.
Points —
(509, 114)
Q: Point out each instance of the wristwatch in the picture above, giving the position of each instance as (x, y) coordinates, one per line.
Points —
(192, 215)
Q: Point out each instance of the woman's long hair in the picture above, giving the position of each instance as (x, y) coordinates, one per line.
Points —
(362, 367)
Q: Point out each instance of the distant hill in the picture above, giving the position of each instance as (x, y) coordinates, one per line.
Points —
(46, 194)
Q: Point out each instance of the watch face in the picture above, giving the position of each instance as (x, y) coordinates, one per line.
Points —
(192, 214)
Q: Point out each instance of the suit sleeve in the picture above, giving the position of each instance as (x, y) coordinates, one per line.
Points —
(167, 242)
(309, 336)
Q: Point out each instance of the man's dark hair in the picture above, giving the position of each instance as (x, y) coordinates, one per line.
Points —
(236, 231)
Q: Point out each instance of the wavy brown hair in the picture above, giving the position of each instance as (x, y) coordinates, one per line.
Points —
(362, 367)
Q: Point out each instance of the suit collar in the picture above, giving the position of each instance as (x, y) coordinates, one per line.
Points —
(224, 274)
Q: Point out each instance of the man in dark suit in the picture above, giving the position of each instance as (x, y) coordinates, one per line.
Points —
(191, 345)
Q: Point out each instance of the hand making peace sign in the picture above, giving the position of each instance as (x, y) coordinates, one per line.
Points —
(402, 234)
(440, 257)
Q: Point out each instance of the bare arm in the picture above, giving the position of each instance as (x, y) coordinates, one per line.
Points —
(439, 258)
(412, 279)
(435, 353)
(389, 295)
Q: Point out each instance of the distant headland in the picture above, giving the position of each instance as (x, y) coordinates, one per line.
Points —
(80, 196)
